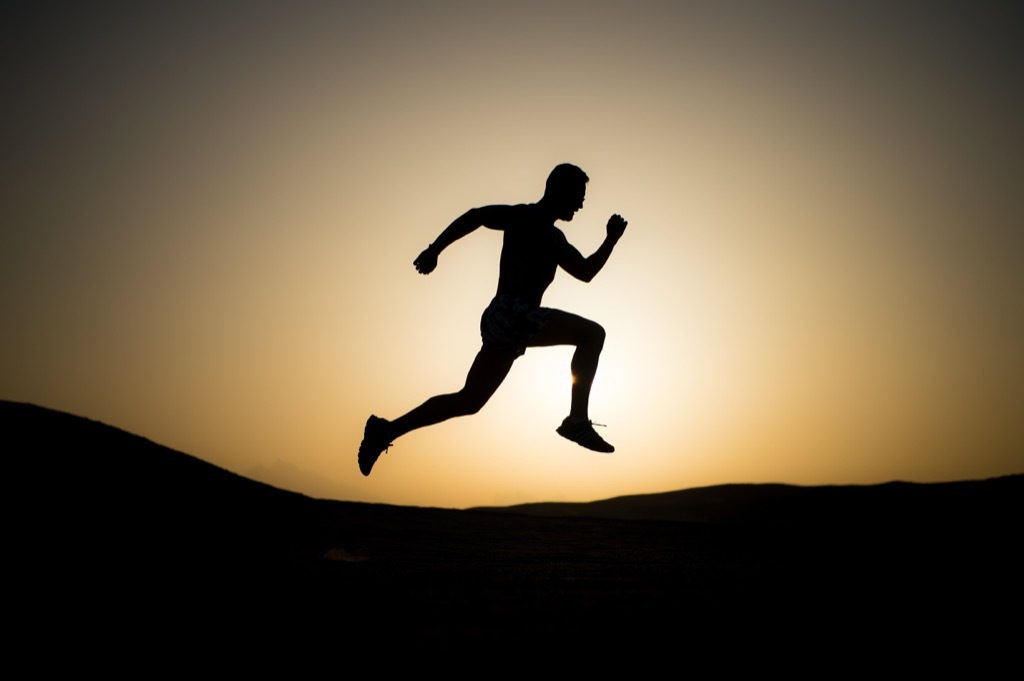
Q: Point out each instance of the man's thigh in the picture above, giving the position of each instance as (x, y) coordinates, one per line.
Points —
(564, 328)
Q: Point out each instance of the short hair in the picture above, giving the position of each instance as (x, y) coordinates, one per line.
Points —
(564, 176)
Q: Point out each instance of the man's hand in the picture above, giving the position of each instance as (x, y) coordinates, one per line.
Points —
(616, 227)
(426, 261)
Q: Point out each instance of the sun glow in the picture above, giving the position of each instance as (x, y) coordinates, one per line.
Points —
(209, 229)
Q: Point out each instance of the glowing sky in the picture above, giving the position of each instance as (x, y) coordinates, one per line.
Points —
(210, 212)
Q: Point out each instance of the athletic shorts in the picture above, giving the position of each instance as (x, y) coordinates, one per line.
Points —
(509, 323)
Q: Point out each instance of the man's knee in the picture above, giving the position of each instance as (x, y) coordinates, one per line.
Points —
(595, 333)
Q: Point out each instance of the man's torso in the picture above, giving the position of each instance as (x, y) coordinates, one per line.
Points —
(530, 253)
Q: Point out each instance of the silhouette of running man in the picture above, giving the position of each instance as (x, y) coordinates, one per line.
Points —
(532, 250)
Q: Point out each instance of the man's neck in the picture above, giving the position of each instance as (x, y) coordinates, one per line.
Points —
(547, 211)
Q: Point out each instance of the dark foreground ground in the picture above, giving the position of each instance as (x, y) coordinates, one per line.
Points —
(156, 540)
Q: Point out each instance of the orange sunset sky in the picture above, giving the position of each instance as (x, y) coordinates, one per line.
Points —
(210, 212)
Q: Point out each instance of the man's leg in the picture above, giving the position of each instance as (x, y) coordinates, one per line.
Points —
(565, 328)
(488, 371)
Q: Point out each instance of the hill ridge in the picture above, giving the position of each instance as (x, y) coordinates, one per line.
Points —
(147, 535)
(57, 435)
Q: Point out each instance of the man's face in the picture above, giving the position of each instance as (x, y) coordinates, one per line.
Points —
(571, 201)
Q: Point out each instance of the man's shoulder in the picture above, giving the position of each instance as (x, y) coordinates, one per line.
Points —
(507, 216)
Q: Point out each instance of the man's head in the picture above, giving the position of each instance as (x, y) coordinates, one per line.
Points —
(565, 190)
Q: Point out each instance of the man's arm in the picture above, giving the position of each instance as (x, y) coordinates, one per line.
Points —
(586, 269)
(488, 216)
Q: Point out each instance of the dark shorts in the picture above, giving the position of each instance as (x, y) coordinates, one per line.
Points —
(509, 323)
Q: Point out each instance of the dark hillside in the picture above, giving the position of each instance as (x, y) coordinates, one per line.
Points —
(111, 522)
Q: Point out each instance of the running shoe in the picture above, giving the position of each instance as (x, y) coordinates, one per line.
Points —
(581, 431)
(376, 440)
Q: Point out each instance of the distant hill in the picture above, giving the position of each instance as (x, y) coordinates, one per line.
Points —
(78, 458)
(949, 503)
(107, 521)
(111, 496)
